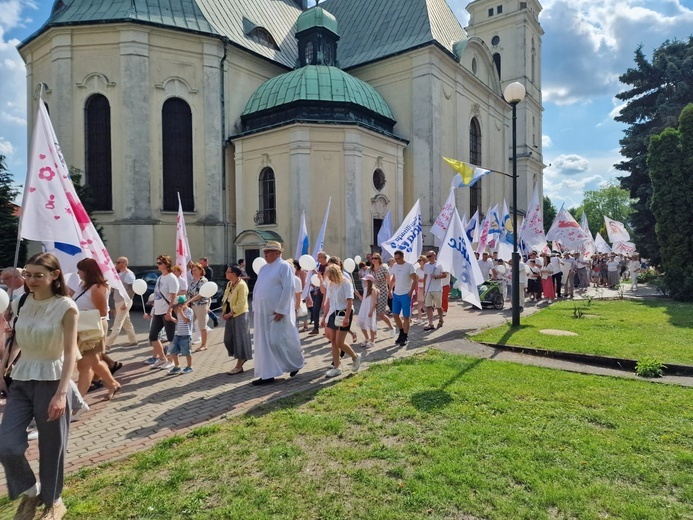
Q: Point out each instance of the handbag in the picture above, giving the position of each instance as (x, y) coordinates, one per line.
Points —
(302, 311)
(89, 325)
(10, 341)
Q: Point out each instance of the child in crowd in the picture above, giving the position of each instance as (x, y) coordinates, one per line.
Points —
(367, 314)
(181, 340)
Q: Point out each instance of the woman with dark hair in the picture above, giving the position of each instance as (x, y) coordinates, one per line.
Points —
(46, 333)
(198, 303)
(165, 292)
(92, 294)
(235, 307)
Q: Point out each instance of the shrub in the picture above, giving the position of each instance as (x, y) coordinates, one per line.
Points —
(649, 367)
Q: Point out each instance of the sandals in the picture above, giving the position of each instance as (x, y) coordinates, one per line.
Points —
(234, 371)
(112, 393)
(440, 324)
(116, 366)
(200, 349)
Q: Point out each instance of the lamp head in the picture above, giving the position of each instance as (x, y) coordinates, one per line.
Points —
(514, 92)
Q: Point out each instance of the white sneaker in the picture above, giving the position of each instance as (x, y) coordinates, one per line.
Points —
(393, 332)
(78, 413)
(333, 372)
(371, 345)
(168, 365)
(157, 364)
(356, 364)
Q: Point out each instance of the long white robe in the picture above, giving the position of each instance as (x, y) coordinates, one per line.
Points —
(277, 344)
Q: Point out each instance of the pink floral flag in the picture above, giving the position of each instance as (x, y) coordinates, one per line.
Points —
(532, 229)
(183, 255)
(566, 229)
(51, 209)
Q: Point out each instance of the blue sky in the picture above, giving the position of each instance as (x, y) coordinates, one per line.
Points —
(587, 44)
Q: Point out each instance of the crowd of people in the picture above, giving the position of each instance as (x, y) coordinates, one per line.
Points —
(48, 339)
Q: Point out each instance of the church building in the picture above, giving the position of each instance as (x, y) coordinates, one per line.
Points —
(255, 111)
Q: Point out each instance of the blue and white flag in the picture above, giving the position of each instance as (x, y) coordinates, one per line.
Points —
(506, 241)
(472, 228)
(494, 228)
(457, 258)
(384, 233)
(68, 256)
(320, 242)
(409, 237)
(302, 242)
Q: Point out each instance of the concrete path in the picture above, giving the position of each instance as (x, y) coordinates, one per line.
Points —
(153, 405)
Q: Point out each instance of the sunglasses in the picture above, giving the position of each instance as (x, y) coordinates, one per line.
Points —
(159, 263)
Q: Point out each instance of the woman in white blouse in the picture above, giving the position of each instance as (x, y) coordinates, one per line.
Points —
(46, 334)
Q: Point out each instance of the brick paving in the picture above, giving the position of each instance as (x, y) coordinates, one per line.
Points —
(153, 406)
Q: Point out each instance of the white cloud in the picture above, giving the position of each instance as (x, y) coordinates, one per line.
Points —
(6, 147)
(588, 44)
(546, 141)
(570, 164)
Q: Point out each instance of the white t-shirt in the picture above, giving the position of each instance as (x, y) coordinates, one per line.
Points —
(612, 266)
(182, 283)
(165, 285)
(485, 266)
(420, 276)
(298, 285)
(402, 274)
(339, 294)
(432, 270)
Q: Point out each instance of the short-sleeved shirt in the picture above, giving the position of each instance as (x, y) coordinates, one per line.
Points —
(166, 285)
(339, 294)
(402, 274)
(432, 270)
(184, 328)
(194, 290)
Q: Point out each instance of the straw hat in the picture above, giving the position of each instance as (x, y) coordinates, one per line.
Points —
(273, 245)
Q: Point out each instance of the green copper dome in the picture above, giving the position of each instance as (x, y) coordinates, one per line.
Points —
(317, 83)
(316, 17)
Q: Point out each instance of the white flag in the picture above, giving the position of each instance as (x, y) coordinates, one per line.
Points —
(302, 242)
(566, 229)
(440, 226)
(409, 237)
(624, 248)
(506, 241)
(588, 247)
(183, 255)
(472, 228)
(320, 242)
(51, 209)
(601, 245)
(384, 233)
(456, 257)
(616, 231)
(532, 229)
(494, 228)
(483, 235)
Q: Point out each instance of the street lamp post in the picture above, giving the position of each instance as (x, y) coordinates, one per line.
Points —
(513, 94)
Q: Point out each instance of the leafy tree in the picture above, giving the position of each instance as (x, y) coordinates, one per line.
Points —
(550, 213)
(9, 222)
(670, 163)
(609, 200)
(658, 92)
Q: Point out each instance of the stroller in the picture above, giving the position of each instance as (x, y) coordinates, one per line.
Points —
(491, 293)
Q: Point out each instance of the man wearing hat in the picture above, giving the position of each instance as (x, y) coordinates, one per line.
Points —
(277, 345)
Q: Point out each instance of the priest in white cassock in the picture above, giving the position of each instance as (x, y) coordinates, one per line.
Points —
(277, 344)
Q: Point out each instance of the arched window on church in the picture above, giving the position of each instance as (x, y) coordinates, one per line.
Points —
(268, 198)
(263, 37)
(177, 150)
(97, 151)
(497, 63)
(475, 159)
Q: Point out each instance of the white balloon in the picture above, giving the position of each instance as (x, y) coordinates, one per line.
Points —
(258, 263)
(139, 286)
(349, 265)
(209, 289)
(4, 300)
(315, 280)
(357, 259)
(307, 262)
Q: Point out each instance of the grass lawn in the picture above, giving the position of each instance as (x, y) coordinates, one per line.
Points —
(620, 328)
(435, 436)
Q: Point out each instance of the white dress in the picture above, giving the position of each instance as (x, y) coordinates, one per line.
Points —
(277, 344)
(365, 322)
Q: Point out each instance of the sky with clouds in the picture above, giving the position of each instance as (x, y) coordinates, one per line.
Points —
(587, 44)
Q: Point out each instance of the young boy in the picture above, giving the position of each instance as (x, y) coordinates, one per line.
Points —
(181, 340)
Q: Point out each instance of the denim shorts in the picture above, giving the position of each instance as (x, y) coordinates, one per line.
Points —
(180, 346)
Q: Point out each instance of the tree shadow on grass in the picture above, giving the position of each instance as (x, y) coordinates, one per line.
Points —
(436, 399)
(507, 336)
(679, 312)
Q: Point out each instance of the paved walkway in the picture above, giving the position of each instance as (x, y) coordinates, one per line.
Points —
(153, 405)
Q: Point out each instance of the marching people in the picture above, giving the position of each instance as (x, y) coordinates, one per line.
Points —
(433, 276)
(277, 345)
(316, 293)
(340, 300)
(198, 303)
(234, 305)
(381, 274)
(46, 334)
(183, 318)
(403, 284)
(165, 292)
(367, 317)
(122, 310)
